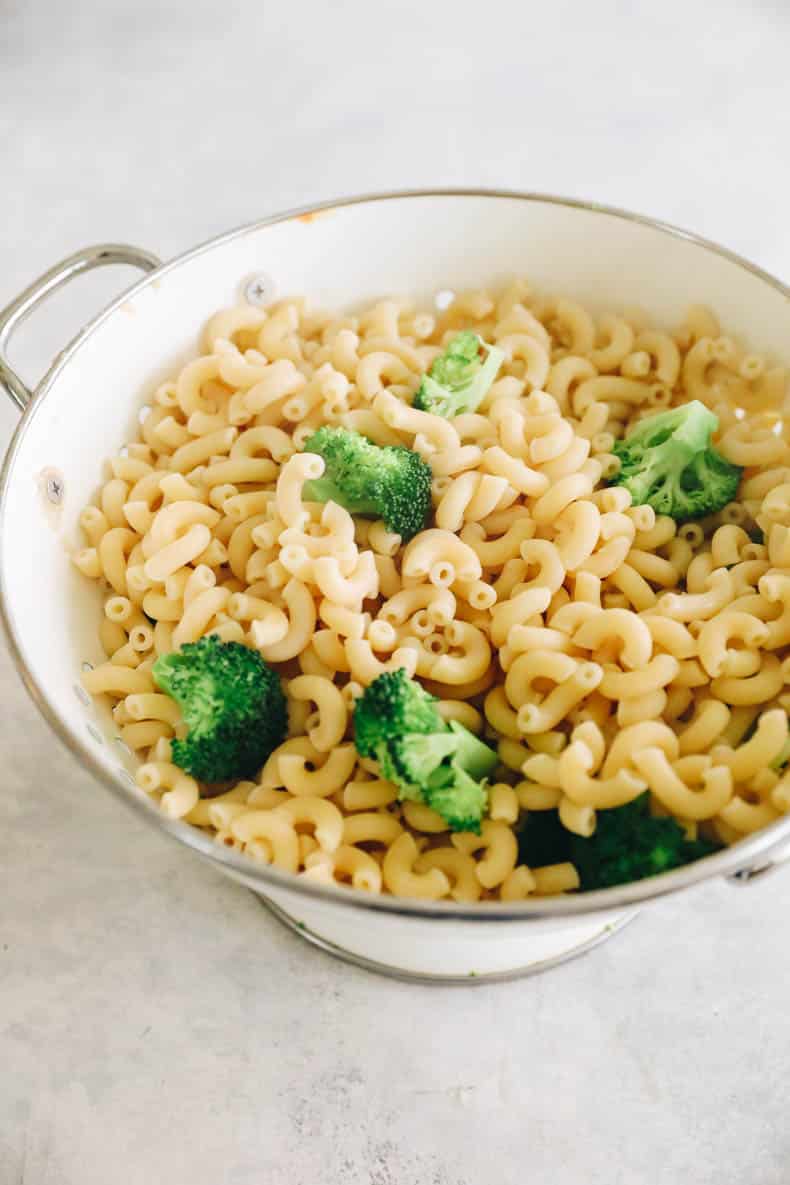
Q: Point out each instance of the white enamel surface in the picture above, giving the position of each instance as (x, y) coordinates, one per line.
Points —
(426, 946)
(341, 256)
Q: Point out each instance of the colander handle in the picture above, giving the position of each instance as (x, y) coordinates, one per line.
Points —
(74, 265)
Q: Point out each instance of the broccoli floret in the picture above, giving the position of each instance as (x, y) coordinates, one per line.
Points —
(668, 463)
(542, 840)
(459, 378)
(393, 707)
(414, 757)
(392, 483)
(455, 795)
(628, 844)
(393, 704)
(396, 722)
(232, 704)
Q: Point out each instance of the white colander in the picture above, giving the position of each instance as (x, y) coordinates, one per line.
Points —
(341, 254)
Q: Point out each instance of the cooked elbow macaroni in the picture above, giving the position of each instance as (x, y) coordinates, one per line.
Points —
(606, 651)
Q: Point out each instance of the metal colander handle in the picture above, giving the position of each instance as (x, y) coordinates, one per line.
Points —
(74, 265)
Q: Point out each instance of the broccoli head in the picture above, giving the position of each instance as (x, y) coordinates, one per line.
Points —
(397, 723)
(628, 844)
(232, 704)
(668, 463)
(542, 840)
(395, 706)
(457, 796)
(459, 378)
(392, 483)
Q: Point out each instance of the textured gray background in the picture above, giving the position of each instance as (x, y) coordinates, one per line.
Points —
(155, 1025)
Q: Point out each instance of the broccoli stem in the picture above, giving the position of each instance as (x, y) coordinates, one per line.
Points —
(428, 750)
(323, 489)
(471, 754)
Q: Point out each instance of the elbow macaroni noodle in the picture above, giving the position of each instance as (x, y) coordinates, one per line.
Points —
(607, 652)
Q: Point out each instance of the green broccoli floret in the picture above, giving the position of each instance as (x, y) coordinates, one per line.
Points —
(459, 378)
(668, 462)
(232, 704)
(542, 840)
(396, 722)
(395, 706)
(455, 795)
(628, 844)
(392, 483)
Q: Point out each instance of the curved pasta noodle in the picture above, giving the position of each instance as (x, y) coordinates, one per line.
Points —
(433, 553)
(276, 829)
(619, 341)
(360, 867)
(323, 816)
(500, 849)
(676, 795)
(629, 633)
(402, 878)
(332, 712)
(321, 782)
(459, 869)
(179, 792)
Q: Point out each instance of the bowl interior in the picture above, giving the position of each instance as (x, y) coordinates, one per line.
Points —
(418, 244)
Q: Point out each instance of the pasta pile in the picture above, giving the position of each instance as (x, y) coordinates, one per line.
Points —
(604, 650)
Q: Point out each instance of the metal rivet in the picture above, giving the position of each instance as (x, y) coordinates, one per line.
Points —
(259, 289)
(55, 487)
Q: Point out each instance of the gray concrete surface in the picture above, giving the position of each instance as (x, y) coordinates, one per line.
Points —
(155, 1025)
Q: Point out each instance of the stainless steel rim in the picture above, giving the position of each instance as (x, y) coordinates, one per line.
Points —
(426, 978)
(756, 849)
